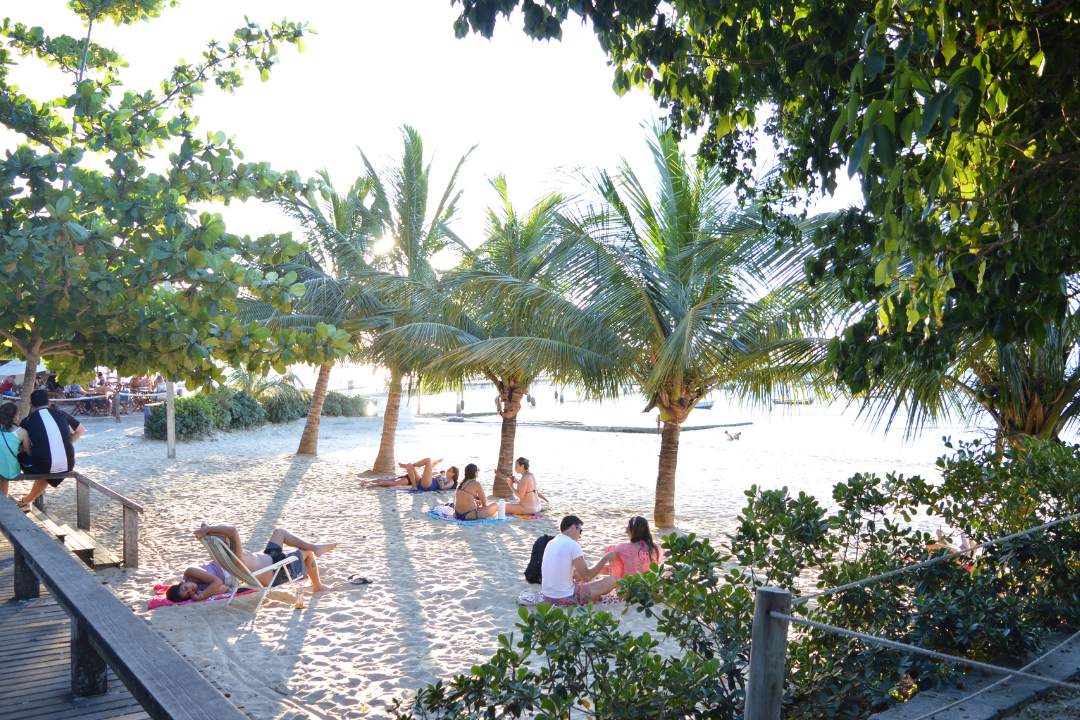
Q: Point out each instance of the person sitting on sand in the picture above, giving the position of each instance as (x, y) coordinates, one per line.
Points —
(200, 583)
(637, 555)
(427, 479)
(528, 498)
(563, 560)
(470, 502)
(303, 562)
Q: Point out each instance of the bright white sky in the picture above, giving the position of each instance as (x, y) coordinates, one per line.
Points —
(534, 109)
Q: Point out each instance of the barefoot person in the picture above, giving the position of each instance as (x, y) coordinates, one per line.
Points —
(524, 490)
(303, 557)
(421, 478)
(563, 559)
(470, 502)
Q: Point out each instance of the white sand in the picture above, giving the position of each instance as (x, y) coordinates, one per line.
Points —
(443, 593)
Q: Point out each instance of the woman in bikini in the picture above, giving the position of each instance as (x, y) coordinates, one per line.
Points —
(528, 498)
(419, 475)
(470, 502)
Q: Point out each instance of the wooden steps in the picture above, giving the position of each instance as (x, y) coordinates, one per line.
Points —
(79, 542)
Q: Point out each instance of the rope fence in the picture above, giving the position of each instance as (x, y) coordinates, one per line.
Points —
(942, 657)
(772, 617)
(931, 561)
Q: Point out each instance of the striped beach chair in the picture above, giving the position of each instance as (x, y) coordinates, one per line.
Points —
(224, 556)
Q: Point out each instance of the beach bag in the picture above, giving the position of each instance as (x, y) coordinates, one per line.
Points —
(533, 570)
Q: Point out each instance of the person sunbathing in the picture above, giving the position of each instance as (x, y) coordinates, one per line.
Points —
(424, 479)
(524, 490)
(303, 558)
(470, 502)
(201, 582)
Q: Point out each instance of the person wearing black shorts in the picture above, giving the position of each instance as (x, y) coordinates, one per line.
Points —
(52, 435)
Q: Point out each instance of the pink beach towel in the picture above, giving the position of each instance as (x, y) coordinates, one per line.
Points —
(162, 601)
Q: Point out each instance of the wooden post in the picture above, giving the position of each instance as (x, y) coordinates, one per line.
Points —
(116, 397)
(768, 652)
(170, 420)
(82, 505)
(27, 586)
(89, 673)
(39, 502)
(131, 538)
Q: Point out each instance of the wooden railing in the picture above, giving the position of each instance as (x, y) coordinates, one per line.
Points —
(132, 510)
(106, 634)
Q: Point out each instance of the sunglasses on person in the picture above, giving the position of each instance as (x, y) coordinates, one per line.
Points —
(580, 529)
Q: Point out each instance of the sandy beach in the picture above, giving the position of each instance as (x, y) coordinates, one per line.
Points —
(350, 651)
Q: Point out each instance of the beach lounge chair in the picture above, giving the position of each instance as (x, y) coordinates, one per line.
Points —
(224, 556)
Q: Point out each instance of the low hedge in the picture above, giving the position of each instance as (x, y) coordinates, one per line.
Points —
(197, 417)
(338, 405)
(286, 407)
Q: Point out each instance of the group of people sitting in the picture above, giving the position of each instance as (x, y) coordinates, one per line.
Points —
(566, 579)
(43, 443)
(470, 501)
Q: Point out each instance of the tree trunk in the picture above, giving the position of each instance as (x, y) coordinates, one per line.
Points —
(385, 461)
(664, 504)
(27, 383)
(501, 488)
(309, 441)
(509, 401)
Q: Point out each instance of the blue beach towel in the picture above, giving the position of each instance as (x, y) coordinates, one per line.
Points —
(486, 521)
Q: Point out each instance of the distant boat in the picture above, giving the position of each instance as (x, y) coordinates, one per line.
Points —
(706, 403)
(793, 402)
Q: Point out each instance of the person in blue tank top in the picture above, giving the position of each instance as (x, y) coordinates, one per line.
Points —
(12, 439)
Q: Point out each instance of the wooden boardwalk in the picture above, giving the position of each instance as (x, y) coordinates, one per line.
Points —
(35, 661)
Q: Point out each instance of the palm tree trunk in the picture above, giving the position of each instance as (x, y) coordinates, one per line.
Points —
(29, 375)
(385, 461)
(309, 441)
(501, 488)
(664, 507)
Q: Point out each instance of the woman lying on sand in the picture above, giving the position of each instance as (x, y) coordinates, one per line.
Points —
(470, 502)
(528, 498)
(419, 475)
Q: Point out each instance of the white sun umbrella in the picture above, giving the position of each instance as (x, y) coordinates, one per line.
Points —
(17, 368)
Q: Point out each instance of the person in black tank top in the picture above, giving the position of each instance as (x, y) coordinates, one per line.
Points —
(52, 437)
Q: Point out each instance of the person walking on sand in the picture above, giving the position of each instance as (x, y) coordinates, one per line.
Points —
(524, 490)
(303, 557)
(563, 559)
(470, 501)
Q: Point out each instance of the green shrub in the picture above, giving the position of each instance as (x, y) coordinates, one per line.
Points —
(286, 407)
(339, 405)
(246, 411)
(197, 417)
(1004, 603)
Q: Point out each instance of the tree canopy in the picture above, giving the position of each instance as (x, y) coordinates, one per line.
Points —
(104, 259)
(961, 120)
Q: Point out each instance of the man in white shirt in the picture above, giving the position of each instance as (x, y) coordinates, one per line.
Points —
(562, 559)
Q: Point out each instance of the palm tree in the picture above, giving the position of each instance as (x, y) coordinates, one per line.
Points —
(340, 238)
(680, 279)
(532, 329)
(405, 278)
(1025, 389)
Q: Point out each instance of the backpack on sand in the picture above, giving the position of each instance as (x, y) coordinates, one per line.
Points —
(536, 560)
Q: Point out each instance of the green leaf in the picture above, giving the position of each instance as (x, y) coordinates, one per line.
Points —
(858, 149)
(930, 115)
(874, 64)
